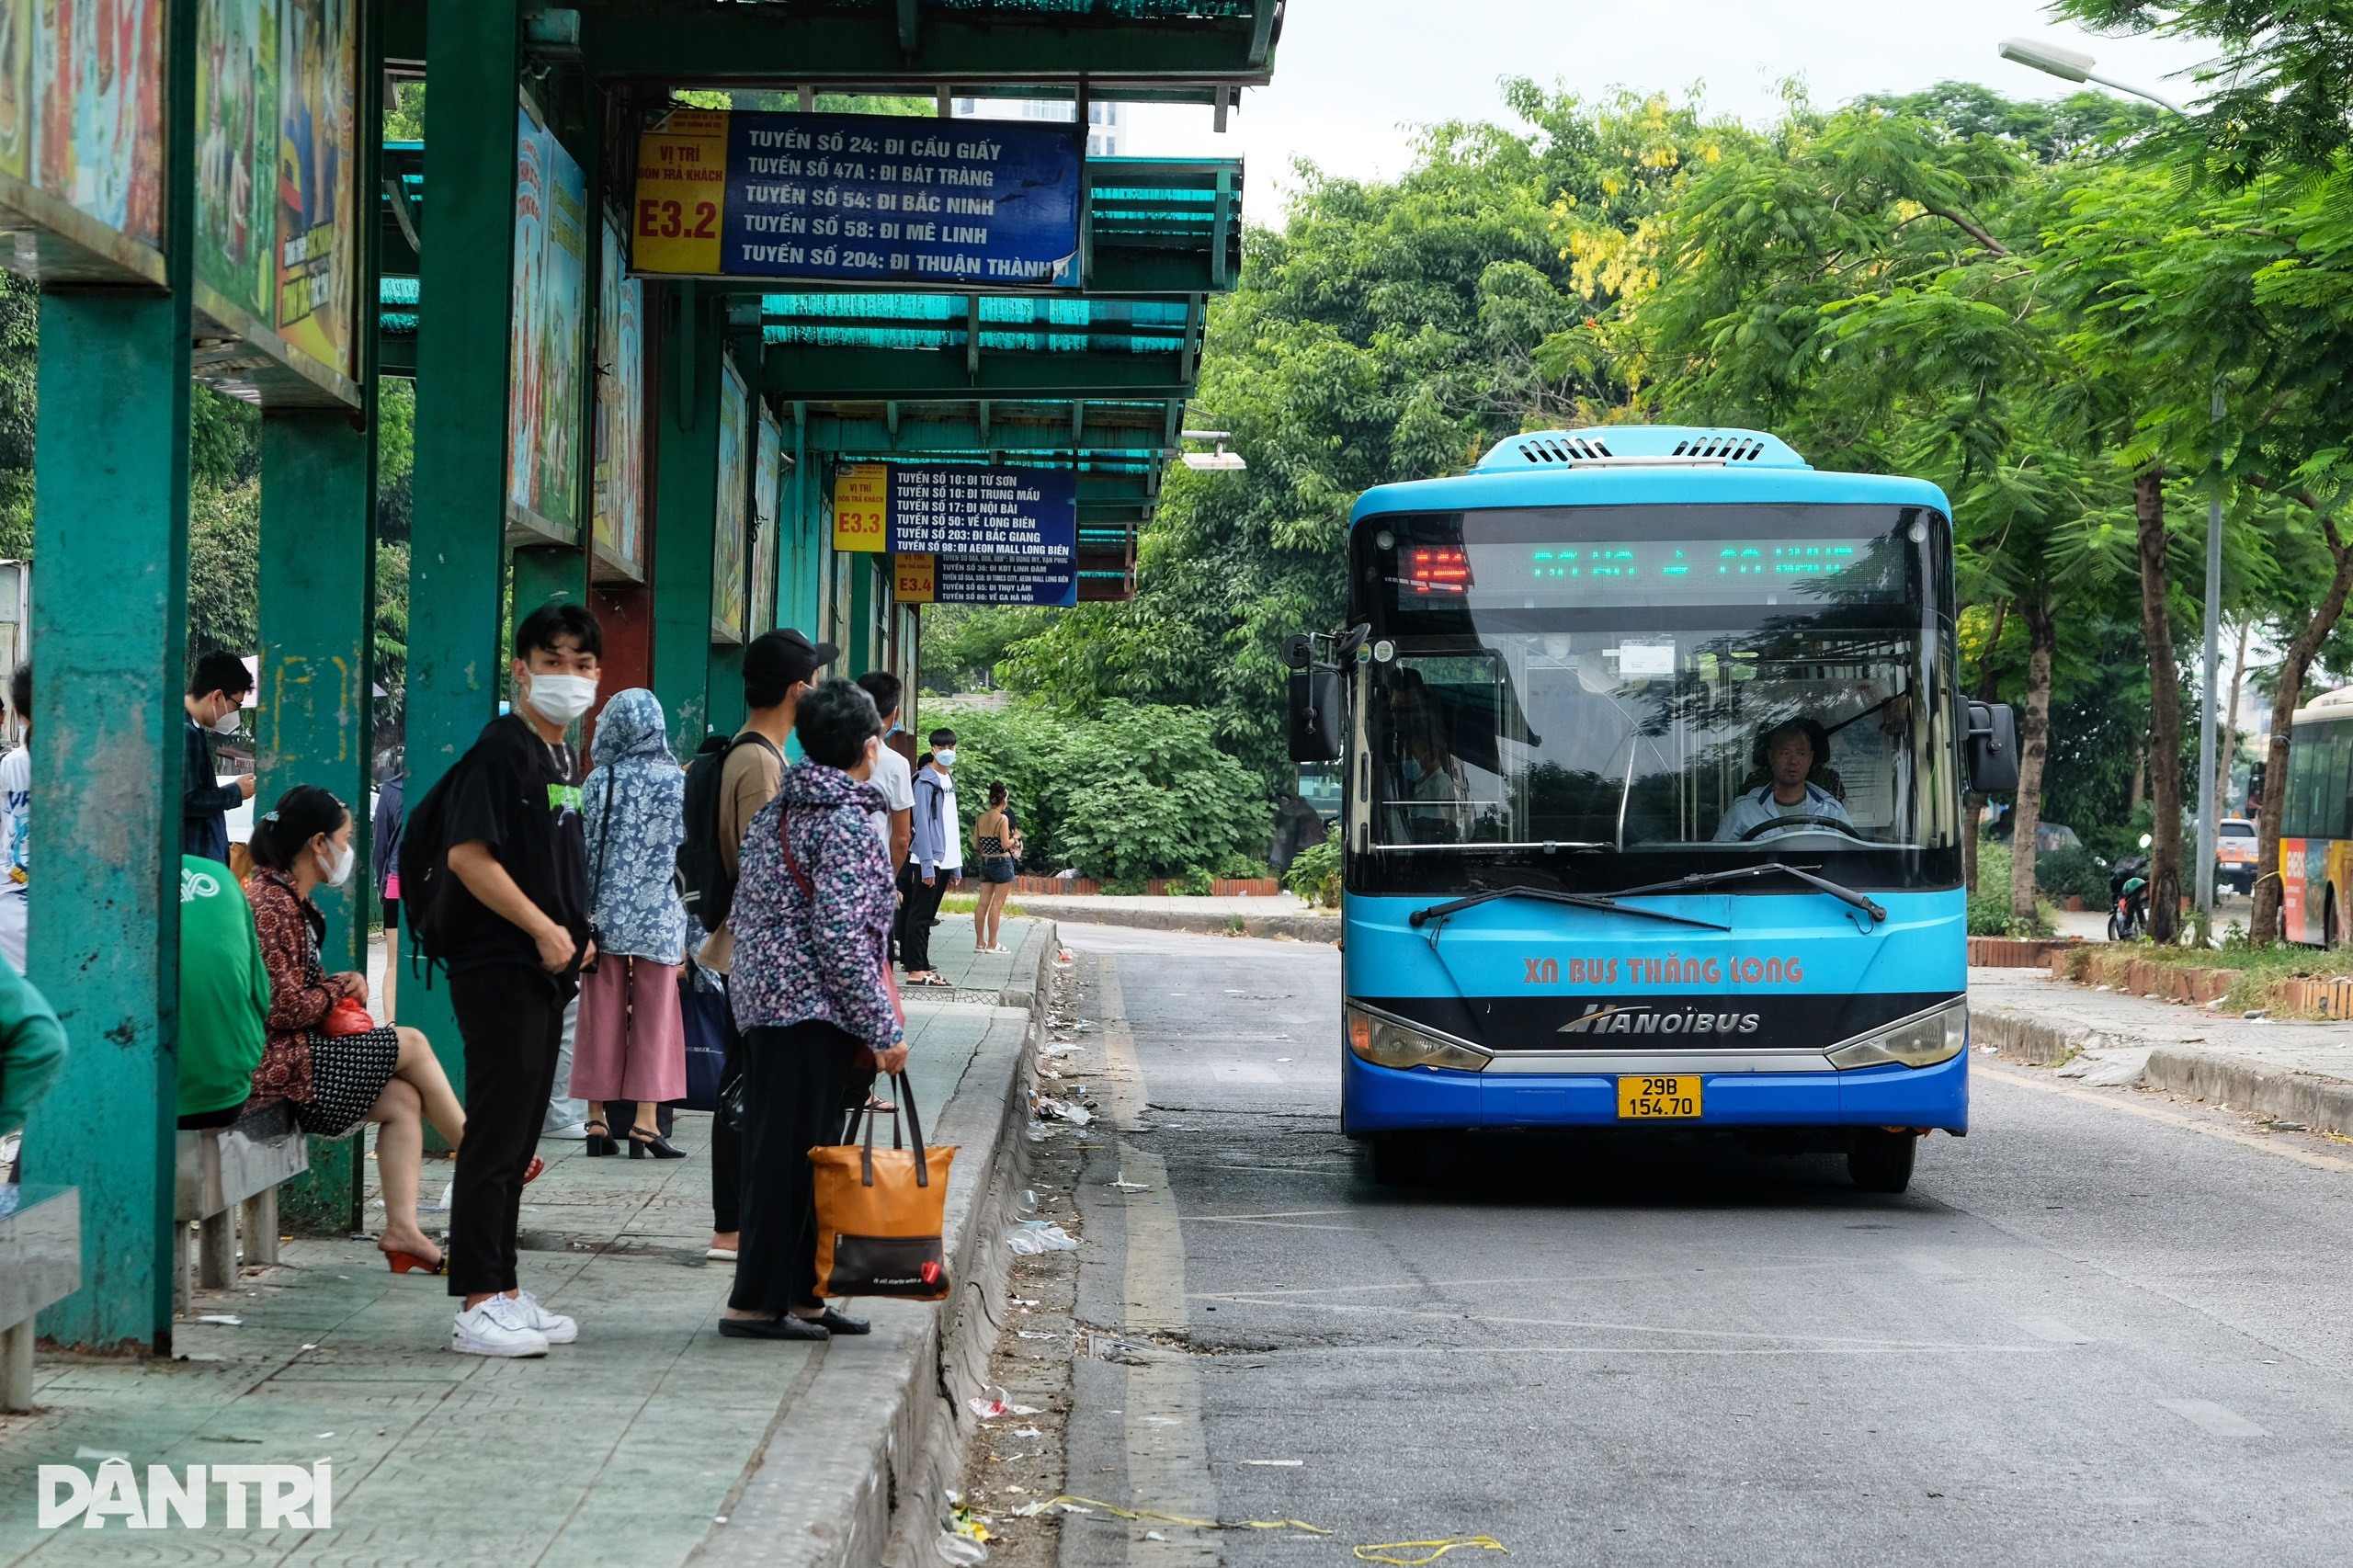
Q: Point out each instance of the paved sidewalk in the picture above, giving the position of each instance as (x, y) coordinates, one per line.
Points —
(626, 1448)
(1284, 915)
(2286, 1069)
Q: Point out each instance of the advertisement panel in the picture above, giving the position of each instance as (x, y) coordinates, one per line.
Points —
(875, 198)
(621, 410)
(728, 612)
(276, 239)
(767, 498)
(81, 137)
(543, 362)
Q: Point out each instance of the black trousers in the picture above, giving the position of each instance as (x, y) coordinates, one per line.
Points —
(512, 1021)
(727, 1147)
(914, 915)
(793, 1102)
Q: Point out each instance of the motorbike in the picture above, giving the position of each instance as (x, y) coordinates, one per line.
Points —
(2128, 898)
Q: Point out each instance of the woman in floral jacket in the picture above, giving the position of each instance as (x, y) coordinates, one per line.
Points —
(631, 1052)
(335, 1077)
(811, 992)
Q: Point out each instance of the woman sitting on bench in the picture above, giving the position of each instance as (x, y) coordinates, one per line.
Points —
(325, 1057)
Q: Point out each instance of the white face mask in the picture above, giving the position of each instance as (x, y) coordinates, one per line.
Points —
(336, 867)
(561, 699)
(227, 723)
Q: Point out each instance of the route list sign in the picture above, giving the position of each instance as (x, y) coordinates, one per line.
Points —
(961, 580)
(878, 199)
(997, 513)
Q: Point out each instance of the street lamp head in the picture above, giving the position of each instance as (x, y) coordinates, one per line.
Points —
(2069, 64)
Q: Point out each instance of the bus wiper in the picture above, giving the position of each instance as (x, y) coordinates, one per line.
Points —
(1439, 912)
(1710, 879)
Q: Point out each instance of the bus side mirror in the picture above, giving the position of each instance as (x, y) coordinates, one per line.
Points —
(1993, 748)
(1317, 707)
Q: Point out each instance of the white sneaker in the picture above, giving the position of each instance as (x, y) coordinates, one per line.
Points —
(574, 1130)
(558, 1329)
(497, 1327)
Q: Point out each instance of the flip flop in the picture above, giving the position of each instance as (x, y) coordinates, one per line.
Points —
(937, 979)
(532, 1171)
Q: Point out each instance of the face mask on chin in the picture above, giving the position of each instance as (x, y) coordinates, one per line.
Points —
(560, 700)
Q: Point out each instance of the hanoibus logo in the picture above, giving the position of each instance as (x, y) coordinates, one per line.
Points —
(289, 1496)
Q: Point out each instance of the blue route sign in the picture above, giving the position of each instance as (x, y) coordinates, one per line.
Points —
(879, 199)
(963, 580)
(1002, 513)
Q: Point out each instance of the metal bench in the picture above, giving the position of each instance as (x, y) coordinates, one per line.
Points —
(226, 1172)
(40, 1263)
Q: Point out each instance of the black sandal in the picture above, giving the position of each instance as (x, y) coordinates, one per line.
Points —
(600, 1140)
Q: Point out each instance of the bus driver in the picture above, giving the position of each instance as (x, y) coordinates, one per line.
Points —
(1791, 749)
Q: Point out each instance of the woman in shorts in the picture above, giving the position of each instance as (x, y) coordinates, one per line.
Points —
(997, 845)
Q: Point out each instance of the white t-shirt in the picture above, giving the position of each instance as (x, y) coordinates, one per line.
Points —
(898, 786)
(16, 820)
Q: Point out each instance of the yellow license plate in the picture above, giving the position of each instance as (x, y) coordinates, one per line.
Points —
(1659, 1099)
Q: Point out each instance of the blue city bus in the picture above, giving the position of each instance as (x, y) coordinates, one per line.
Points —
(1652, 752)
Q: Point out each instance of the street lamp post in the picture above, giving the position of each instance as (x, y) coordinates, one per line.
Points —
(2071, 65)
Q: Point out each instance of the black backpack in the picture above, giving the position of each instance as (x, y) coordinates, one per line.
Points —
(431, 899)
(708, 892)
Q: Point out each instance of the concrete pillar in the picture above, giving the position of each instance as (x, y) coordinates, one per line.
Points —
(110, 628)
(316, 718)
(685, 502)
(456, 550)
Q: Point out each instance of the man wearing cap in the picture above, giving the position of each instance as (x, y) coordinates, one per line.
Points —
(777, 667)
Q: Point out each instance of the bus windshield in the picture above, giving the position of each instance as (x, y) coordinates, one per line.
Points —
(1623, 694)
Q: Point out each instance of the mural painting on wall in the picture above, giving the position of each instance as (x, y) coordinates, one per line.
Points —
(82, 108)
(620, 408)
(767, 484)
(276, 113)
(543, 377)
(728, 609)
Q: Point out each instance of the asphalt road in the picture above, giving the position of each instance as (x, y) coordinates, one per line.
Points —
(2107, 1327)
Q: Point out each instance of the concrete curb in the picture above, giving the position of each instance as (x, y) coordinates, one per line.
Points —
(863, 1485)
(1298, 928)
(2316, 1101)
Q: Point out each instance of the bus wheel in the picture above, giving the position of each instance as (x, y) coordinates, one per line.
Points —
(1398, 1159)
(1880, 1161)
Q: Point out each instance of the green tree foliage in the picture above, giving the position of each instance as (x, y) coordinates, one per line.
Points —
(1130, 793)
(963, 644)
(19, 346)
(1390, 331)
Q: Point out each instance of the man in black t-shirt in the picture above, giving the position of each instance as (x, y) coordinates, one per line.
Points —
(519, 851)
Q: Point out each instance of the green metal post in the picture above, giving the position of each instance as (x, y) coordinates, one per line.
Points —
(859, 654)
(456, 551)
(109, 633)
(686, 512)
(316, 718)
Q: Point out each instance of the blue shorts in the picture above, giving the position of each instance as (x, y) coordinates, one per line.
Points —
(996, 870)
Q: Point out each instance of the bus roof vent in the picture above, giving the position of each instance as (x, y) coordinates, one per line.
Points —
(1640, 446)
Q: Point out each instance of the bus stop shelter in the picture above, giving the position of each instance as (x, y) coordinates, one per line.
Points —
(689, 437)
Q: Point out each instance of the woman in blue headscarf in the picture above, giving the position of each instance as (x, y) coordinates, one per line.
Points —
(631, 1044)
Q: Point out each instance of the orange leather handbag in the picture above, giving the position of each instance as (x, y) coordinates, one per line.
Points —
(880, 1213)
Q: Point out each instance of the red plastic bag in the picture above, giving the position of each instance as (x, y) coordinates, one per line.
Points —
(347, 1016)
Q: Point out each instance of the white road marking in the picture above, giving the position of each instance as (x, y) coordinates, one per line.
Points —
(2219, 1419)
(1244, 1072)
(2120, 1100)
(1167, 1452)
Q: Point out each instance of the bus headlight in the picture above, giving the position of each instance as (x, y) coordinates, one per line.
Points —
(1921, 1041)
(1388, 1043)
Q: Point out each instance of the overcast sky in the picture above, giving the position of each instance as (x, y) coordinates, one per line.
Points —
(1353, 77)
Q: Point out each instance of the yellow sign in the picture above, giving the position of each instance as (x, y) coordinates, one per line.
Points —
(861, 507)
(681, 188)
(1666, 1098)
(917, 580)
(911, 583)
